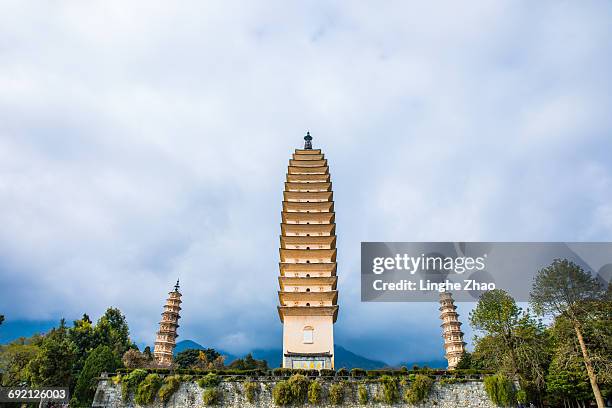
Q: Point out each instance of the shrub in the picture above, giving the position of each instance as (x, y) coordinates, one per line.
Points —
(299, 388)
(500, 390)
(210, 396)
(521, 396)
(343, 372)
(209, 380)
(390, 389)
(281, 372)
(336, 393)
(250, 391)
(326, 372)
(147, 389)
(315, 391)
(169, 387)
(419, 389)
(362, 394)
(358, 373)
(130, 382)
(281, 394)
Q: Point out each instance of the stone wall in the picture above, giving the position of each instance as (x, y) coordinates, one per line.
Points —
(189, 395)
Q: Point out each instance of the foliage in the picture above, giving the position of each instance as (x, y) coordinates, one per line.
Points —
(209, 380)
(336, 393)
(130, 382)
(315, 392)
(52, 366)
(358, 373)
(521, 396)
(299, 388)
(82, 335)
(465, 362)
(100, 360)
(343, 372)
(566, 290)
(170, 385)
(210, 396)
(419, 389)
(500, 390)
(326, 372)
(390, 389)
(187, 358)
(112, 330)
(135, 359)
(281, 394)
(147, 389)
(14, 359)
(362, 394)
(249, 363)
(250, 391)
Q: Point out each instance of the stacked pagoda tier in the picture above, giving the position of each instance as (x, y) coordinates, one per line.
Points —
(165, 341)
(308, 296)
(454, 345)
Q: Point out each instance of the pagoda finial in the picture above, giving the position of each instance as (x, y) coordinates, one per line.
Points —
(308, 141)
(177, 286)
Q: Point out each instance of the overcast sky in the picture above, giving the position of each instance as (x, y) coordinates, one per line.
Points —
(148, 140)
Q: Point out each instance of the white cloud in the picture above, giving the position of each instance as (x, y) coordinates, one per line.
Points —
(144, 141)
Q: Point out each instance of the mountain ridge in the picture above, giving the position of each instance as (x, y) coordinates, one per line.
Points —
(344, 358)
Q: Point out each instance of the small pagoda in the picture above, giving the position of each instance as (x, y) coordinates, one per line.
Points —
(167, 334)
(308, 297)
(454, 346)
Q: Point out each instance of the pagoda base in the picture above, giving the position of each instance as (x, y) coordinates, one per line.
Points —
(308, 361)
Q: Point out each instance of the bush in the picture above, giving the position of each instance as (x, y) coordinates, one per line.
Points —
(250, 391)
(390, 389)
(281, 372)
(147, 389)
(343, 372)
(358, 373)
(209, 380)
(281, 394)
(315, 392)
(130, 382)
(299, 388)
(326, 372)
(362, 394)
(169, 387)
(500, 390)
(210, 396)
(336, 393)
(419, 389)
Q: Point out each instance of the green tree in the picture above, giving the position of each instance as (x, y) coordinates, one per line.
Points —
(52, 366)
(514, 343)
(112, 330)
(564, 288)
(248, 363)
(100, 360)
(187, 358)
(498, 315)
(84, 339)
(14, 359)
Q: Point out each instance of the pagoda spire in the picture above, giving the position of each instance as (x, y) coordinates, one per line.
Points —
(308, 141)
(454, 346)
(165, 342)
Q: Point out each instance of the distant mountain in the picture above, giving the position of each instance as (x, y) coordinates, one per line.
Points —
(431, 364)
(348, 359)
(344, 358)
